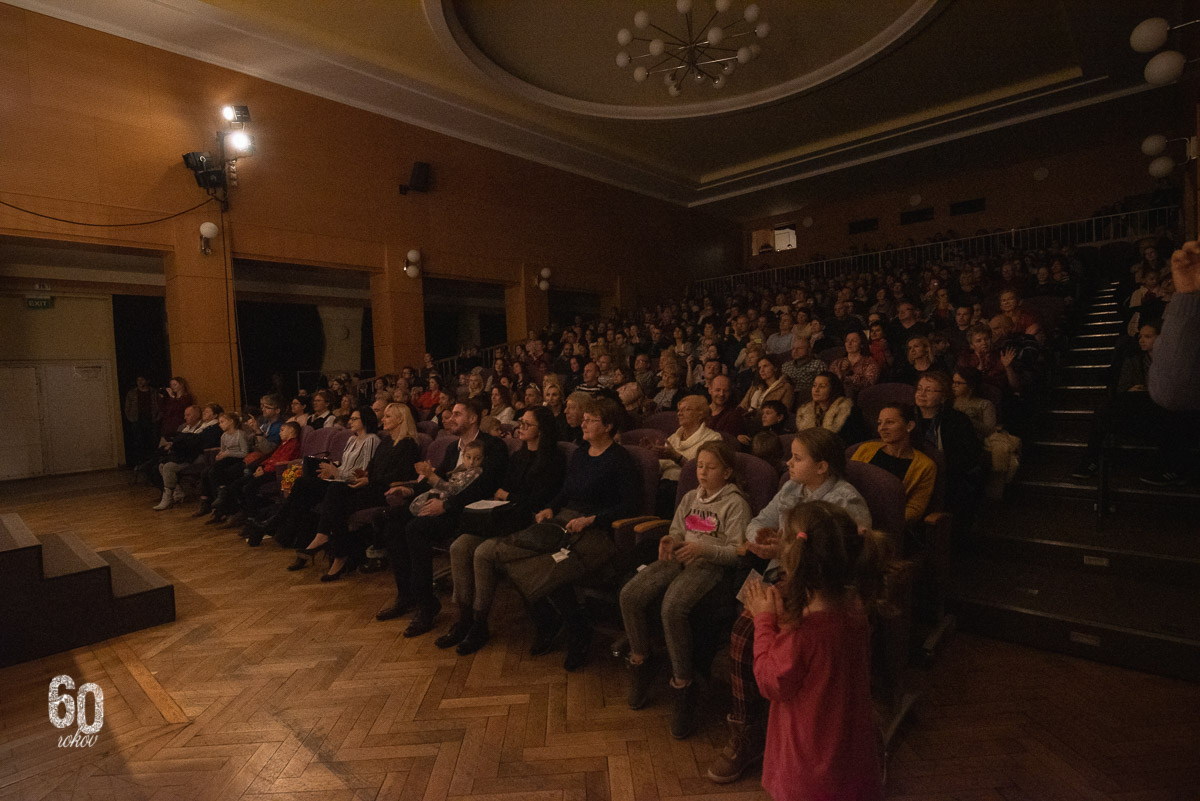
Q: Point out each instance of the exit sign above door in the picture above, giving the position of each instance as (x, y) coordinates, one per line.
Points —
(39, 301)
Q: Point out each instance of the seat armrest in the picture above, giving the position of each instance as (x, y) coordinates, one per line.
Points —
(653, 529)
(623, 530)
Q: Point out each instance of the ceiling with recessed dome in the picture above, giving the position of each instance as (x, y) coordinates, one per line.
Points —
(831, 86)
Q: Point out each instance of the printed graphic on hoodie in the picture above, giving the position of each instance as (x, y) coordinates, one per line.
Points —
(701, 523)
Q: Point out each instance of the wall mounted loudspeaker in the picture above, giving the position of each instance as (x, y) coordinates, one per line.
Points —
(419, 180)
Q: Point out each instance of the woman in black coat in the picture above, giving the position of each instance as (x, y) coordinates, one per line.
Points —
(534, 476)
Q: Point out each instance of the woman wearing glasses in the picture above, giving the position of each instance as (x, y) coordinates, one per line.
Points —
(534, 476)
(570, 539)
(308, 491)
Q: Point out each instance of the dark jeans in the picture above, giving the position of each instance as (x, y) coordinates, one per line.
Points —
(224, 471)
(296, 518)
(341, 502)
(410, 543)
(244, 492)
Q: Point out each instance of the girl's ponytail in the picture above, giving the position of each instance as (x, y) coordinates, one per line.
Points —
(824, 551)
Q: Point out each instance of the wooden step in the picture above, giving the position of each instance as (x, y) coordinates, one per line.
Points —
(1121, 621)
(56, 593)
(20, 552)
(141, 597)
(1151, 542)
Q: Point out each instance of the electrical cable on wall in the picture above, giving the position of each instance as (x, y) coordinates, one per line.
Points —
(106, 225)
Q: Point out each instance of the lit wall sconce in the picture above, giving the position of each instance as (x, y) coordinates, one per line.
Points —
(208, 232)
(1151, 34)
(1163, 165)
(914, 201)
(544, 280)
(412, 263)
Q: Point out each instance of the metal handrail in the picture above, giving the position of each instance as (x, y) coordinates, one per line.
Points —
(1075, 232)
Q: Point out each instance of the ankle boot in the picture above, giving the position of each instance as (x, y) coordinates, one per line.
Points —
(168, 500)
(547, 623)
(466, 616)
(578, 627)
(683, 711)
(205, 508)
(476, 638)
(640, 679)
(744, 749)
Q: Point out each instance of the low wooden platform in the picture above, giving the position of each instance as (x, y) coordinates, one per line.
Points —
(273, 685)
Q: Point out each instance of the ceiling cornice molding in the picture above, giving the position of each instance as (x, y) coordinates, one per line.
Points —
(458, 44)
(909, 139)
(172, 25)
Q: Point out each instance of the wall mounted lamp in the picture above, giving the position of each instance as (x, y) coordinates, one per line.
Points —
(1150, 35)
(1162, 165)
(412, 263)
(544, 279)
(208, 232)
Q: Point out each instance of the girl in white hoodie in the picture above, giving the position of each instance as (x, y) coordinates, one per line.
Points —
(701, 544)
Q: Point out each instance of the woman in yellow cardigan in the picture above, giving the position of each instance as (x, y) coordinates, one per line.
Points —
(893, 451)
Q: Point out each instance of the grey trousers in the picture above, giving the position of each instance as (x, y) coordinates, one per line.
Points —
(170, 473)
(681, 587)
(463, 568)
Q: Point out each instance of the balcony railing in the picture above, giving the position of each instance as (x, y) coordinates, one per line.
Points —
(1129, 225)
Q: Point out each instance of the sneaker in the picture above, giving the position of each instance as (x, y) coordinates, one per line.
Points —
(1087, 469)
(1166, 478)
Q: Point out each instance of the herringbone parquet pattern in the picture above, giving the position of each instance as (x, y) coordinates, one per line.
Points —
(272, 685)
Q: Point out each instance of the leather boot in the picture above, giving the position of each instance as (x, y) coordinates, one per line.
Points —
(466, 616)
(747, 738)
(547, 623)
(168, 500)
(476, 638)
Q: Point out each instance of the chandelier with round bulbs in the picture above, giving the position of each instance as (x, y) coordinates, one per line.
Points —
(707, 52)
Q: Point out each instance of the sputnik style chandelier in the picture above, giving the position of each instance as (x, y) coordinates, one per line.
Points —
(707, 52)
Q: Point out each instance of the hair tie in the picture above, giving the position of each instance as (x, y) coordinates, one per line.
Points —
(802, 535)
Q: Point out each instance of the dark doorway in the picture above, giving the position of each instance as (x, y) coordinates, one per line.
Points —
(565, 305)
(462, 314)
(277, 339)
(140, 333)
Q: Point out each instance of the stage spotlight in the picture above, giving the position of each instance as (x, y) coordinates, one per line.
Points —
(236, 114)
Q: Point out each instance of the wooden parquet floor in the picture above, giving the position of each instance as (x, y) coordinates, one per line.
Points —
(271, 685)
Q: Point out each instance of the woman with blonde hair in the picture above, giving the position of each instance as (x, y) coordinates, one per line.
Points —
(392, 463)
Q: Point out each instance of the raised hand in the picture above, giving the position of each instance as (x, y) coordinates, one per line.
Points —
(1185, 267)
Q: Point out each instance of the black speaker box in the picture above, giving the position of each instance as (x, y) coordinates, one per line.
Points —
(419, 180)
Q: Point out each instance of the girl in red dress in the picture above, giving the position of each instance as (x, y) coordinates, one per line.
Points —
(811, 659)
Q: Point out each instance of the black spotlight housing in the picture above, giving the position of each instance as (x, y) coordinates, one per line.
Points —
(197, 161)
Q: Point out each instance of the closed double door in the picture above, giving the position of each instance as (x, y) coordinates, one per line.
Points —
(59, 418)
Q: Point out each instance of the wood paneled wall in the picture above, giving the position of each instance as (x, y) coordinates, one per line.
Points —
(94, 127)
